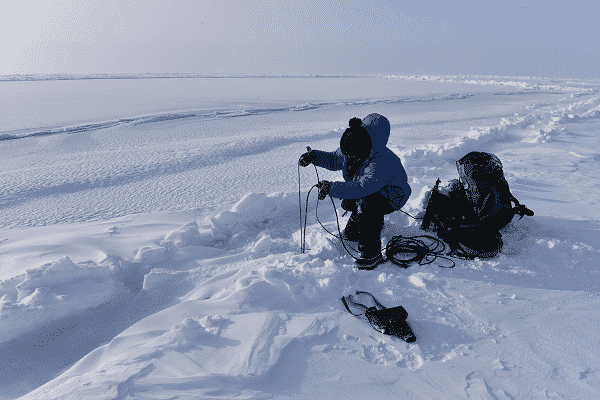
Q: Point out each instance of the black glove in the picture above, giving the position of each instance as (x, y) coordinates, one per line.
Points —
(349, 205)
(324, 187)
(306, 159)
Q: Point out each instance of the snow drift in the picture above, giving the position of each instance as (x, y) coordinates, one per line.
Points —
(140, 265)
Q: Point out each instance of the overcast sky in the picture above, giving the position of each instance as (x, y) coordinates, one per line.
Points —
(507, 37)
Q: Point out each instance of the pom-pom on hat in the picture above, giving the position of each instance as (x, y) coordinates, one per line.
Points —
(355, 122)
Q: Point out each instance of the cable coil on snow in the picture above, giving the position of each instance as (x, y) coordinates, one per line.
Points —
(399, 248)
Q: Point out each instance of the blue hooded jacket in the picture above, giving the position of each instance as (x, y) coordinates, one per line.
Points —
(381, 172)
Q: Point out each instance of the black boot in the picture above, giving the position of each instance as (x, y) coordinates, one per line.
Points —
(370, 255)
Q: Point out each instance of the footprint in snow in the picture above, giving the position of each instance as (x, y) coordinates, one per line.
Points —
(477, 388)
(383, 353)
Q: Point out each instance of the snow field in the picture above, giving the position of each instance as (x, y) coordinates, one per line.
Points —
(216, 301)
(190, 161)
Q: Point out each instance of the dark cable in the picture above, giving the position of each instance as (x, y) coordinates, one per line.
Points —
(423, 253)
(410, 215)
(300, 209)
(306, 217)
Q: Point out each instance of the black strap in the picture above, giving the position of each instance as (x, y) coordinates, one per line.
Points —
(514, 200)
(348, 308)
(430, 211)
(517, 208)
(378, 305)
(520, 208)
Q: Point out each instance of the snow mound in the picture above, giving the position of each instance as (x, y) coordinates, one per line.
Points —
(191, 332)
(52, 291)
(188, 235)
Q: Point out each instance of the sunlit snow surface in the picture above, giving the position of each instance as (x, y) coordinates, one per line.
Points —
(150, 241)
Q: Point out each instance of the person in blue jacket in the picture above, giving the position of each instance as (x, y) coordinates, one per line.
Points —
(375, 182)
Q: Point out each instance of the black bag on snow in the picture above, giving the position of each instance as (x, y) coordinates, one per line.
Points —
(470, 216)
(389, 321)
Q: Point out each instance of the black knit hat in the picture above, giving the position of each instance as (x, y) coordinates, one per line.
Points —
(356, 141)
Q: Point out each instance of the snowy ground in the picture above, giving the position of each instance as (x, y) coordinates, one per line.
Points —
(150, 242)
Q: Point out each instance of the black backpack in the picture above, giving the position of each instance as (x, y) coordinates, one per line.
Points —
(470, 216)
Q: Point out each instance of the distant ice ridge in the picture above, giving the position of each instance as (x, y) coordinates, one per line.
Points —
(56, 77)
(523, 82)
(210, 115)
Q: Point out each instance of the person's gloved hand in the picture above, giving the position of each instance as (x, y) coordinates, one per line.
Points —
(324, 187)
(306, 159)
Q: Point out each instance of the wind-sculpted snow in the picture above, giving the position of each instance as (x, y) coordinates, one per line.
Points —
(213, 115)
(184, 277)
(250, 308)
(138, 165)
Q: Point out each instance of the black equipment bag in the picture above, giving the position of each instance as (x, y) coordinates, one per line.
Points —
(389, 321)
(470, 216)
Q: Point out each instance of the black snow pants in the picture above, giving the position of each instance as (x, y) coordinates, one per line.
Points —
(366, 222)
